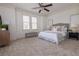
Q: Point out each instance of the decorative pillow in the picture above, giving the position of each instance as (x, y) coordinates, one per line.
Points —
(59, 28)
(54, 29)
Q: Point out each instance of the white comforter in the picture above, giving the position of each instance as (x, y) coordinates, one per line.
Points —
(52, 36)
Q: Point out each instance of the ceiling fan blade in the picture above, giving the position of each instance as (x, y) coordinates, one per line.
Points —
(48, 5)
(40, 4)
(46, 9)
(39, 11)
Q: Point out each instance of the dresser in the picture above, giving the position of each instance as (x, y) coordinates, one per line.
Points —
(4, 38)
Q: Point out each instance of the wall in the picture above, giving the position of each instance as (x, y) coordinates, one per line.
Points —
(63, 16)
(19, 23)
(8, 17)
(13, 17)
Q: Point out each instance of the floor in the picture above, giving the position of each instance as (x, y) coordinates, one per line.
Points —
(38, 47)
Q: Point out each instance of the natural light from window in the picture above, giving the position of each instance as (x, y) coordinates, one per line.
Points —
(34, 23)
(26, 21)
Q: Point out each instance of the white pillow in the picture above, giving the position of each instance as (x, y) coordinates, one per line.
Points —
(54, 29)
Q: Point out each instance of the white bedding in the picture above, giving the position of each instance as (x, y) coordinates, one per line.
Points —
(52, 36)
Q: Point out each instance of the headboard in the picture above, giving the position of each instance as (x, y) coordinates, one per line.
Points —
(65, 25)
(61, 24)
(61, 27)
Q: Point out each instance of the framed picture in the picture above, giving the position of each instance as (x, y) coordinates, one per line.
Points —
(74, 20)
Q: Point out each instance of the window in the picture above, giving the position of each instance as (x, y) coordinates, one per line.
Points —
(29, 22)
(26, 21)
(34, 23)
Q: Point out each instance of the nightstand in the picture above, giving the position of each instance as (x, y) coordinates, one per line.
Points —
(73, 35)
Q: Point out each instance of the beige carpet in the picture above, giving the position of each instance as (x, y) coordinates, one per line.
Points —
(39, 47)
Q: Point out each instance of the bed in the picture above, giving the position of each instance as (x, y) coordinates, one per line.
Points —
(57, 33)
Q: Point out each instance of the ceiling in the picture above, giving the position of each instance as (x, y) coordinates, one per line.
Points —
(55, 8)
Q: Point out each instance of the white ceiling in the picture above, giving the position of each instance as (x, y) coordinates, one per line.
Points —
(55, 8)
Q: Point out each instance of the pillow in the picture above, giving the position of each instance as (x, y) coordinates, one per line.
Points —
(54, 29)
(59, 28)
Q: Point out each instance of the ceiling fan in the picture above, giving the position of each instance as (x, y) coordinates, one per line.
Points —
(43, 6)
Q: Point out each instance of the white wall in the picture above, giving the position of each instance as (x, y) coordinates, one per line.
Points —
(8, 17)
(13, 17)
(63, 16)
(19, 22)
